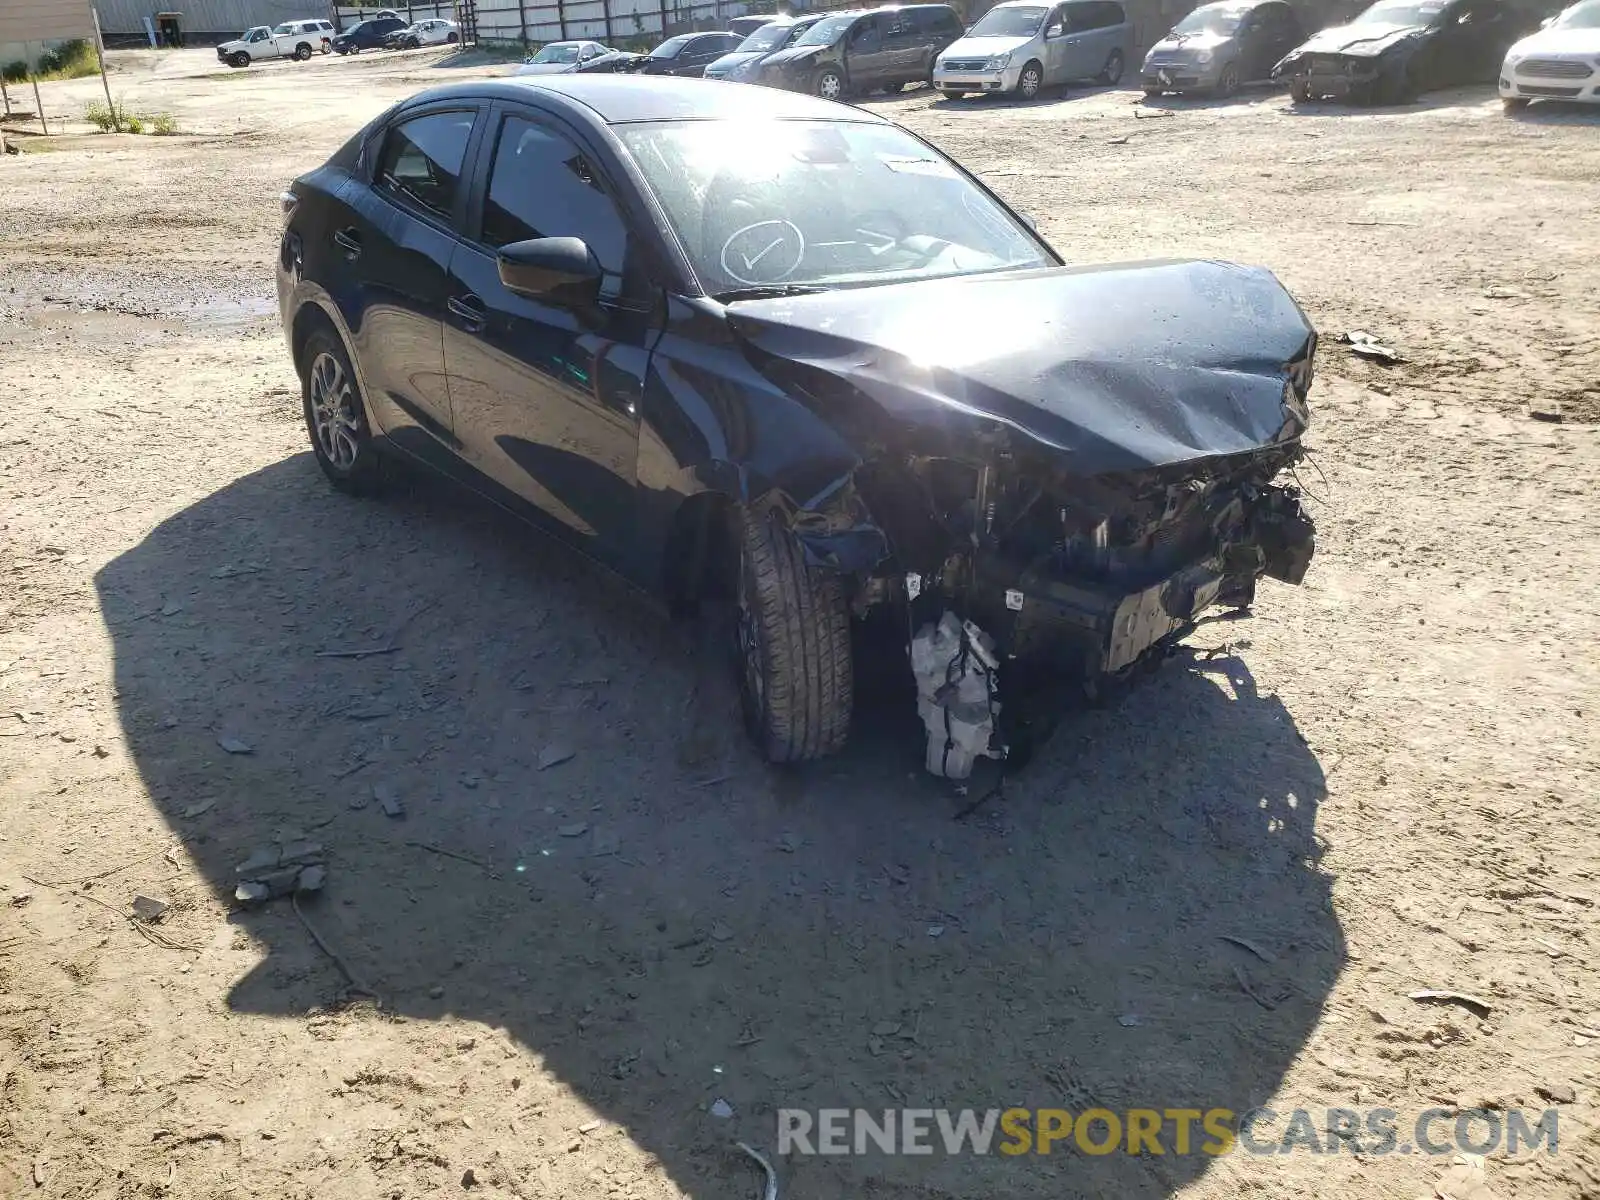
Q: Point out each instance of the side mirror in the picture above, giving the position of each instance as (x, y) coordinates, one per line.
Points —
(1053, 32)
(558, 269)
(1547, 22)
(1029, 221)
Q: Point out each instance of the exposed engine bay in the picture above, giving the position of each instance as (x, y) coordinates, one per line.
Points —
(1066, 580)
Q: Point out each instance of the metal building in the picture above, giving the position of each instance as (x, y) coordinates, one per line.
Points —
(28, 26)
(123, 22)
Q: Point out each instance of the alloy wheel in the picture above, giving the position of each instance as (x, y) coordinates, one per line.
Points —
(334, 418)
(830, 86)
(1028, 85)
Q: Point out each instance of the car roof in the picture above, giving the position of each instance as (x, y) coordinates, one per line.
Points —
(621, 99)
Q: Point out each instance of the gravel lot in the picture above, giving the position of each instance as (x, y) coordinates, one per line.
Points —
(1386, 781)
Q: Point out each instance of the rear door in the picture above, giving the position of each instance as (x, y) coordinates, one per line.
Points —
(397, 243)
(1055, 45)
(903, 48)
(1079, 49)
(546, 398)
(1277, 32)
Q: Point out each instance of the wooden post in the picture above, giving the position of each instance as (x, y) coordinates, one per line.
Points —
(100, 52)
(33, 78)
(662, 4)
(5, 95)
(605, 6)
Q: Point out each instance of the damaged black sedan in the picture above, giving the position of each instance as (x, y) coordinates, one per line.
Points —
(769, 350)
(1396, 49)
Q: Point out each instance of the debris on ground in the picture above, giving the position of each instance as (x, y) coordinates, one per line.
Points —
(1558, 1093)
(1265, 956)
(553, 754)
(469, 1178)
(195, 810)
(388, 800)
(576, 829)
(721, 1109)
(1367, 346)
(149, 909)
(1130, 1020)
(234, 745)
(1466, 1179)
(291, 867)
(1475, 1004)
(1546, 410)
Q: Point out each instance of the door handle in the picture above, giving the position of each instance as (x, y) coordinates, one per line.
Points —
(470, 310)
(349, 241)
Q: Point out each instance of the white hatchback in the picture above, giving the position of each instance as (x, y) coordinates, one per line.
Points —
(1560, 62)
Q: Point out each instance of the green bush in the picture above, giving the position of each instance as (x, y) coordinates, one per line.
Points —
(70, 60)
(135, 123)
(163, 124)
(104, 117)
(15, 72)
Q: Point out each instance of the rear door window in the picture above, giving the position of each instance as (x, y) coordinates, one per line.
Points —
(420, 163)
(1107, 14)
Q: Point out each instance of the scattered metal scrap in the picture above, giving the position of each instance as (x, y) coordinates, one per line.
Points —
(283, 869)
(1475, 1004)
(1368, 346)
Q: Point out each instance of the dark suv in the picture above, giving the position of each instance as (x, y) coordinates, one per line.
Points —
(367, 35)
(850, 53)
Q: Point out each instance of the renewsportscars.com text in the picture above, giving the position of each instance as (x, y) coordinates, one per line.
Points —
(1177, 1131)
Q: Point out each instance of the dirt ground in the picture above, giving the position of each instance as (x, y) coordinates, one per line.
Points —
(1386, 781)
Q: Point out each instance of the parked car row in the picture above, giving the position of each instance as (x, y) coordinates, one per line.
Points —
(301, 39)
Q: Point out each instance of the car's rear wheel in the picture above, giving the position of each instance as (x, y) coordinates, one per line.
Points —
(1228, 81)
(240, 59)
(1111, 73)
(302, 51)
(830, 84)
(326, 48)
(1030, 81)
(335, 416)
(791, 645)
(453, 39)
(889, 89)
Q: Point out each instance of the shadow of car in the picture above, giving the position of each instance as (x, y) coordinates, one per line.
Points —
(662, 920)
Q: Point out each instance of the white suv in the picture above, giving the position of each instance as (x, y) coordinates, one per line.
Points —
(292, 39)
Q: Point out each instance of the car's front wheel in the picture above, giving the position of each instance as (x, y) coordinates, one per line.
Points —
(1300, 91)
(240, 59)
(830, 84)
(1111, 73)
(949, 95)
(791, 645)
(1514, 103)
(1030, 81)
(1228, 81)
(335, 416)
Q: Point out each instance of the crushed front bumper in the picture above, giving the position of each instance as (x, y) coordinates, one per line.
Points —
(1335, 77)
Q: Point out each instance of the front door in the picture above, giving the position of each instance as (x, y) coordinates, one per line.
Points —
(398, 238)
(546, 398)
(866, 56)
(1056, 59)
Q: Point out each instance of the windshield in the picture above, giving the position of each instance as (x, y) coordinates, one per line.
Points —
(768, 37)
(558, 52)
(826, 31)
(1008, 22)
(1401, 12)
(670, 47)
(771, 203)
(1213, 18)
(1579, 16)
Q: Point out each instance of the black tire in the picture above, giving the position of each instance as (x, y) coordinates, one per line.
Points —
(452, 39)
(1152, 93)
(1300, 92)
(326, 48)
(829, 84)
(343, 52)
(890, 89)
(1228, 81)
(1514, 103)
(302, 52)
(1111, 73)
(239, 60)
(953, 95)
(1395, 89)
(1030, 81)
(791, 645)
(347, 456)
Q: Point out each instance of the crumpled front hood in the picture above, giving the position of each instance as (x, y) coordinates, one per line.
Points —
(1121, 367)
(792, 55)
(1360, 40)
(548, 68)
(233, 45)
(1557, 42)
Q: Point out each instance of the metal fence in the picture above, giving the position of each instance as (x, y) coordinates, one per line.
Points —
(620, 23)
(346, 15)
